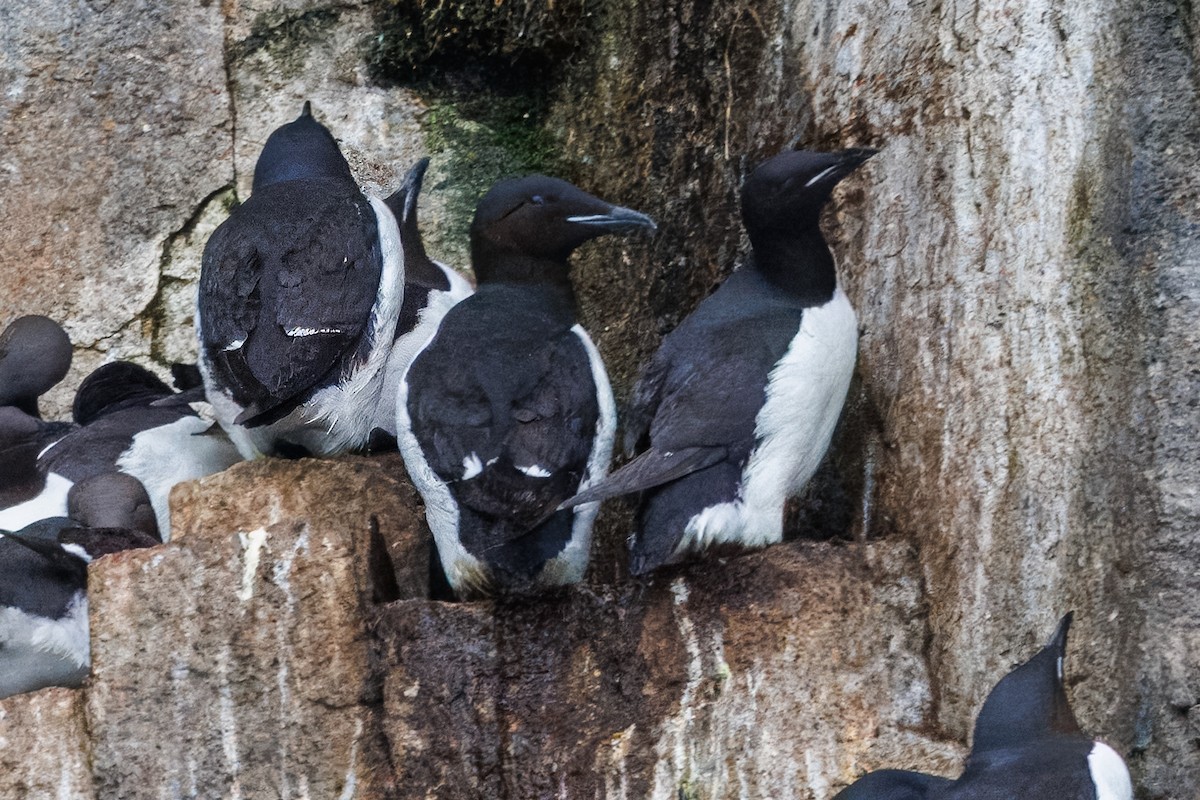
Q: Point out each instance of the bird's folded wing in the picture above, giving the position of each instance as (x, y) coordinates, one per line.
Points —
(514, 442)
(652, 468)
(276, 326)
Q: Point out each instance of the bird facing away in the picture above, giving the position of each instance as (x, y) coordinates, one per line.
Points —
(1027, 745)
(43, 585)
(134, 423)
(430, 290)
(508, 411)
(735, 411)
(299, 294)
(35, 354)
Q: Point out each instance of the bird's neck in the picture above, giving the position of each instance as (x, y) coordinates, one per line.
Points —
(421, 270)
(19, 478)
(797, 262)
(550, 279)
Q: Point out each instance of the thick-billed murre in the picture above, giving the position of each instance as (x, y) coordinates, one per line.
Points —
(431, 288)
(1026, 745)
(43, 582)
(132, 422)
(300, 290)
(735, 411)
(508, 411)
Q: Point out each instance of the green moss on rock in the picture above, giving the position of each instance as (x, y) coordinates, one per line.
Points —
(472, 147)
(417, 40)
(285, 36)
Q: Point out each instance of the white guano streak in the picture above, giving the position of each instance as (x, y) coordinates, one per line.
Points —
(252, 545)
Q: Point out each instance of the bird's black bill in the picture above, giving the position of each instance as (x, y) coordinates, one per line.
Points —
(847, 161)
(1059, 640)
(616, 219)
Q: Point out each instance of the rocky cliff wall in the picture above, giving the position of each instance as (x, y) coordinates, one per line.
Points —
(282, 645)
(1020, 440)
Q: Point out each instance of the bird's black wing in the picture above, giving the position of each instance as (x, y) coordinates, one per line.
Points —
(280, 312)
(512, 439)
(644, 400)
(113, 387)
(651, 468)
(95, 449)
(893, 784)
(697, 400)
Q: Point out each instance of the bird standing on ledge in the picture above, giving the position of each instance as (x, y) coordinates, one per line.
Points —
(735, 411)
(300, 290)
(507, 410)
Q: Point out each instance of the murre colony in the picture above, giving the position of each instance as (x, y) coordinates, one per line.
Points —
(324, 327)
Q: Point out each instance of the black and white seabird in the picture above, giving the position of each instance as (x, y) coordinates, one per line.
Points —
(26, 493)
(43, 588)
(431, 288)
(1027, 745)
(508, 411)
(300, 290)
(736, 409)
(35, 354)
(113, 500)
(134, 423)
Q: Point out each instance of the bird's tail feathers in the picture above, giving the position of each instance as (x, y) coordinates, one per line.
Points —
(652, 468)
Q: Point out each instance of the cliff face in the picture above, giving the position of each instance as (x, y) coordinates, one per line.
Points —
(1019, 442)
(281, 646)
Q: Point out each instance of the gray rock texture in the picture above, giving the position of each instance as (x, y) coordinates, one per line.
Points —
(1020, 439)
(248, 672)
(44, 746)
(281, 646)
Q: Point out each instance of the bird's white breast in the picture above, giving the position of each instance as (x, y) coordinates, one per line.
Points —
(50, 502)
(169, 454)
(406, 347)
(570, 565)
(463, 570)
(36, 652)
(1109, 773)
(804, 396)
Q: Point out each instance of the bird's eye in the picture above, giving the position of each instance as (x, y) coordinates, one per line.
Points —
(537, 200)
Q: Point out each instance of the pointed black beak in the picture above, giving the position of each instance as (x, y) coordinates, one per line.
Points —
(1059, 640)
(412, 186)
(307, 110)
(615, 219)
(845, 162)
(856, 156)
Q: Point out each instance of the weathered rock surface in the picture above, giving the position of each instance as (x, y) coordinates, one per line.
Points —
(281, 646)
(1022, 253)
(113, 120)
(236, 661)
(44, 748)
(782, 674)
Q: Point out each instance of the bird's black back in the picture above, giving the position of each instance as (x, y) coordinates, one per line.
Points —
(115, 386)
(19, 446)
(707, 382)
(94, 449)
(507, 378)
(1052, 769)
(1029, 703)
(298, 255)
(894, 784)
(36, 584)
